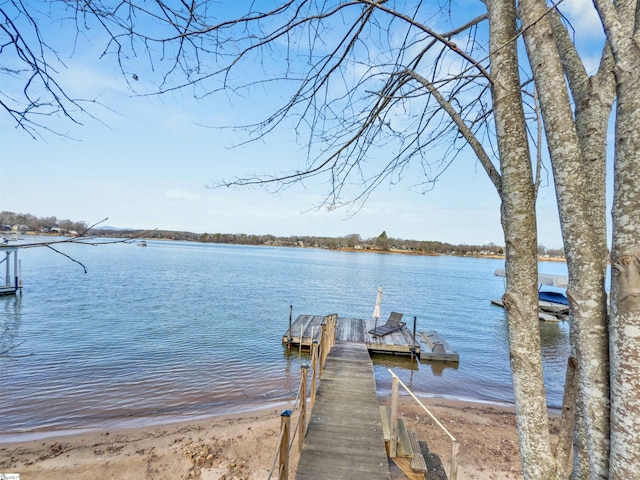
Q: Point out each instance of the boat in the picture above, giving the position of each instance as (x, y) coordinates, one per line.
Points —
(553, 303)
(12, 237)
(142, 243)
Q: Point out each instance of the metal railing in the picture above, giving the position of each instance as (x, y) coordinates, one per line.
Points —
(395, 394)
(319, 351)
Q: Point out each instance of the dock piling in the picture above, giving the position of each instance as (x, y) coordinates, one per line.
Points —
(285, 425)
(415, 343)
(302, 422)
(314, 370)
(289, 331)
(395, 394)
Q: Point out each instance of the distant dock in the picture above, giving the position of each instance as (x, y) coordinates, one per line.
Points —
(307, 328)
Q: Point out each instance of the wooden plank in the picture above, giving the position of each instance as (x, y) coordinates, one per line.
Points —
(417, 462)
(404, 447)
(385, 415)
(404, 444)
(344, 437)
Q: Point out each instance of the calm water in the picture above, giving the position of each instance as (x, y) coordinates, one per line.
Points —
(183, 329)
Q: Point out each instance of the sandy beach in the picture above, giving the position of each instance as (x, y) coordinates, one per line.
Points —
(242, 446)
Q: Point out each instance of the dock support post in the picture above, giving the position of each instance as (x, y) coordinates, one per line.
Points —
(283, 463)
(453, 471)
(8, 273)
(15, 271)
(415, 344)
(324, 350)
(289, 331)
(314, 371)
(395, 393)
(302, 422)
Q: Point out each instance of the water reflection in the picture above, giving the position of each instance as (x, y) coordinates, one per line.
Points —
(10, 325)
(294, 359)
(438, 368)
(394, 361)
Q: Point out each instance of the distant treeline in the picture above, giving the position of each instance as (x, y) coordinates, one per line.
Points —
(47, 225)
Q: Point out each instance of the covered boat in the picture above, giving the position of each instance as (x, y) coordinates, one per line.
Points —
(553, 304)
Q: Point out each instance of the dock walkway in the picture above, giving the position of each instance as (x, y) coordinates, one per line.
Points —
(344, 437)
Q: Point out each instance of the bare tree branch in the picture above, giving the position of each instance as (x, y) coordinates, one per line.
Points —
(6, 353)
(83, 238)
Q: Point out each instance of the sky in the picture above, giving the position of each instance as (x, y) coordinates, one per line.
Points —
(147, 163)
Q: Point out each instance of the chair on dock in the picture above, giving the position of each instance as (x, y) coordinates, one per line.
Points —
(393, 324)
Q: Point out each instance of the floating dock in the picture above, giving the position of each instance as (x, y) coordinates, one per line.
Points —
(434, 347)
(307, 328)
(546, 316)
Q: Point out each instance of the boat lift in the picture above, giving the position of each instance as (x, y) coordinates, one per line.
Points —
(12, 282)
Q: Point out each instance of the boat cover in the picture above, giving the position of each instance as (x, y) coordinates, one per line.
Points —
(554, 297)
(561, 281)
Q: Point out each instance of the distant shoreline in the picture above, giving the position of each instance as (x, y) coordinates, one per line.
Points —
(391, 251)
(431, 254)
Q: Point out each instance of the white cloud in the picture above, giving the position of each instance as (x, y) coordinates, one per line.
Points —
(583, 16)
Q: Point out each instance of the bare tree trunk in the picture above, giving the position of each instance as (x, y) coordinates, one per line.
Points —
(519, 225)
(625, 279)
(579, 227)
(593, 99)
(562, 451)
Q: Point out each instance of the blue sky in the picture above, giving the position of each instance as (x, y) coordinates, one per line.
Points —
(147, 162)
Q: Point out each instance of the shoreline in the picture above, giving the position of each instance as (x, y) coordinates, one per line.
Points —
(338, 249)
(150, 422)
(243, 445)
(137, 423)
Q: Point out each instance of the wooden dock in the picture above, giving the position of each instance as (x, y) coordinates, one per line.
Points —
(307, 328)
(344, 437)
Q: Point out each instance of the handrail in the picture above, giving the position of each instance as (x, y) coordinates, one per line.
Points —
(455, 445)
(320, 350)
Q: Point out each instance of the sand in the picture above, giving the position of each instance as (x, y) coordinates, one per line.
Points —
(243, 445)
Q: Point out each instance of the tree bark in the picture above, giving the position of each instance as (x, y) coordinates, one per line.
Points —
(593, 99)
(625, 256)
(519, 225)
(562, 451)
(579, 226)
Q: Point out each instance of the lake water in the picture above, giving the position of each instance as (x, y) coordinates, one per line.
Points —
(178, 330)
